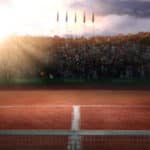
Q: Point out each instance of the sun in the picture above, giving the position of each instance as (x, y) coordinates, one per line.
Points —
(4, 33)
(38, 17)
(29, 17)
(6, 28)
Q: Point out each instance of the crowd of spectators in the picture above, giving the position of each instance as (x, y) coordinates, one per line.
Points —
(123, 57)
(107, 57)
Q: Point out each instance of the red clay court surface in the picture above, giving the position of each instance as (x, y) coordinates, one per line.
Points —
(40, 109)
(53, 109)
(74, 97)
(115, 118)
(92, 118)
(35, 118)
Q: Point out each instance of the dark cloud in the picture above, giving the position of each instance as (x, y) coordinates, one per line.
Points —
(120, 25)
(139, 8)
(120, 16)
(126, 24)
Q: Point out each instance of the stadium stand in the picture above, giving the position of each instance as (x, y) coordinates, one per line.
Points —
(117, 57)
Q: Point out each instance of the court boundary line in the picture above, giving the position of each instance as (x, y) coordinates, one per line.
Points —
(75, 118)
(83, 106)
(74, 140)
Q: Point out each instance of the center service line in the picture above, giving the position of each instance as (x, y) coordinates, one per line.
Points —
(76, 118)
(75, 140)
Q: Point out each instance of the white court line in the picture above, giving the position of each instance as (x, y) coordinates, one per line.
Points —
(74, 142)
(59, 106)
(33, 106)
(76, 118)
(117, 106)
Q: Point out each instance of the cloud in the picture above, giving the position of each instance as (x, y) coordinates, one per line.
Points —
(139, 8)
(117, 16)
(124, 24)
(38, 17)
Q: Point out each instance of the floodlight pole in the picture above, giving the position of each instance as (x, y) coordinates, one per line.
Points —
(75, 21)
(84, 22)
(93, 23)
(66, 19)
(58, 22)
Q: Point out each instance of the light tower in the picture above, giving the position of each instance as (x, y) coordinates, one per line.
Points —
(75, 22)
(58, 22)
(93, 23)
(66, 20)
(84, 21)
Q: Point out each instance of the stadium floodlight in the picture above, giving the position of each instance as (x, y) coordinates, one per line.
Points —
(75, 18)
(75, 21)
(93, 22)
(66, 17)
(84, 17)
(93, 18)
(57, 17)
(58, 20)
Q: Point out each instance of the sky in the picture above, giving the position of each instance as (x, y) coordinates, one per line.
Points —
(38, 17)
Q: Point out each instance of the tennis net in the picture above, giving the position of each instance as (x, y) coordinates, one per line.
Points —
(74, 140)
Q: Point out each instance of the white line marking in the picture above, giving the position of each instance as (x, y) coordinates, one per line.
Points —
(75, 140)
(118, 106)
(76, 118)
(32, 106)
(101, 106)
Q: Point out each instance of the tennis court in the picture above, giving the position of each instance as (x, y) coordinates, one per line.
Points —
(74, 120)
